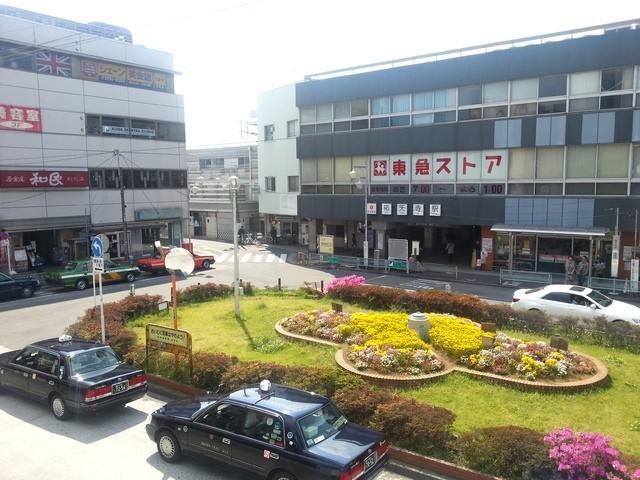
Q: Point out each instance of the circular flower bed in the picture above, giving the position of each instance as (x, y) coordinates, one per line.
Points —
(383, 342)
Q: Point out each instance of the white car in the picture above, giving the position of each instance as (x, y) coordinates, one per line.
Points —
(572, 300)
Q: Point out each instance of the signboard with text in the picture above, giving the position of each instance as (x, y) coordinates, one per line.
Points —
(26, 119)
(40, 179)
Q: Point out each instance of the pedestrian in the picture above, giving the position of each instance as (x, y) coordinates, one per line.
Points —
(241, 234)
(354, 243)
(582, 271)
(274, 235)
(450, 249)
(569, 270)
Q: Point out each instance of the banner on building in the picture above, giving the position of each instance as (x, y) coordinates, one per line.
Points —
(26, 119)
(39, 179)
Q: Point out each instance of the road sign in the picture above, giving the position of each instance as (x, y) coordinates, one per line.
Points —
(96, 247)
(98, 264)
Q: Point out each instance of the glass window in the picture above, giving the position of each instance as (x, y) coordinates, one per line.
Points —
(617, 79)
(494, 112)
(225, 416)
(360, 107)
(400, 121)
(584, 83)
(97, 179)
(321, 424)
(293, 183)
(548, 189)
(423, 118)
(580, 189)
(611, 188)
(526, 89)
(323, 128)
(308, 170)
(268, 132)
(342, 126)
(552, 86)
(325, 169)
(324, 112)
(445, 98)
(470, 95)
(520, 188)
(635, 163)
(522, 162)
(325, 189)
(292, 127)
(307, 129)
(495, 92)
(524, 109)
(469, 114)
(264, 427)
(270, 184)
(552, 107)
(380, 122)
(442, 117)
(342, 110)
(584, 104)
(359, 124)
(343, 167)
(93, 125)
(549, 163)
(380, 106)
(423, 101)
(616, 101)
(164, 178)
(400, 103)
(581, 161)
(308, 114)
(613, 161)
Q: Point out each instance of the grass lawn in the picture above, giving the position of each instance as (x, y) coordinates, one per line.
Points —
(611, 410)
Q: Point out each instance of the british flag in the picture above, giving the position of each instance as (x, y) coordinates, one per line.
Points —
(53, 63)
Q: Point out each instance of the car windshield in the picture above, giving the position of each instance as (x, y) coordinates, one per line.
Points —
(71, 266)
(321, 424)
(600, 298)
(92, 360)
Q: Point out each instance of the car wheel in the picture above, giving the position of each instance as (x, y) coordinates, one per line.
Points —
(168, 447)
(130, 277)
(535, 310)
(206, 264)
(82, 284)
(618, 322)
(282, 475)
(59, 408)
(26, 292)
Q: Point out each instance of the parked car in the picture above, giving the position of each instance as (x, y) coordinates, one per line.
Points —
(274, 431)
(18, 287)
(72, 375)
(78, 274)
(573, 300)
(155, 263)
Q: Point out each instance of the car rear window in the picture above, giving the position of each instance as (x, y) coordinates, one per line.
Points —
(322, 424)
(93, 360)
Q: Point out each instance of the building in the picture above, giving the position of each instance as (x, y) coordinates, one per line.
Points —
(278, 128)
(211, 208)
(527, 150)
(92, 140)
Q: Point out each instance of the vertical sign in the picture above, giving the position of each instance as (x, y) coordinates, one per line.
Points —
(615, 255)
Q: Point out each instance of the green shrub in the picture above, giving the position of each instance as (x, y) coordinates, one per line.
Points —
(411, 424)
(359, 404)
(209, 368)
(124, 310)
(510, 452)
(118, 336)
(203, 292)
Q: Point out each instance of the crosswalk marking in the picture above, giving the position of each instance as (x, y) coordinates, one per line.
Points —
(252, 258)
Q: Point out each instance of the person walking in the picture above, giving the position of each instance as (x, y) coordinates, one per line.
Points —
(354, 244)
(582, 271)
(569, 270)
(450, 249)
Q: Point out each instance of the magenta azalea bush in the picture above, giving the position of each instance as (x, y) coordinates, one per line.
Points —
(586, 456)
(530, 360)
(351, 281)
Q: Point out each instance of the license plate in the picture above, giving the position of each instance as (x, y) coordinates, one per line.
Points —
(370, 461)
(120, 387)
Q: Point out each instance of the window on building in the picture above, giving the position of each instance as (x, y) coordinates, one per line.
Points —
(616, 101)
(550, 163)
(548, 189)
(342, 110)
(469, 114)
(380, 122)
(96, 179)
(422, 101)
(584, 104)
(400, 103)
(522, 109)
(558, 106)
(380, 106)
(244, 162)
(443, 117)
(360, 124)
(308, 114)
(422, 118)
(325, 169)
(617, 79)
(323, 128)
(359, 108)
(495, 92)
(494, 112)
(611, 188)
(293, 184)
(584, 83)
(613, 161)
(520, 189)
(552, 86)
(270, 184)
(580, 189)
(470, 95)
(522, 162)
(292, 128)
(635, 162)
(164, 178)
(400, 121)
(324, 113)
(526, 89)
(268, 132)
(205, 163)
(581, 161)
(445, 98)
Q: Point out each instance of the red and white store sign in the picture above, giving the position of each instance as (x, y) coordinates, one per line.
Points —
(26, 119)
(53, 179)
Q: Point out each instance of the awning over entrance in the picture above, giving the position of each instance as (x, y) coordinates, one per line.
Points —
(545, 230)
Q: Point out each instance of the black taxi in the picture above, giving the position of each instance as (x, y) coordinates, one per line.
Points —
(72, 375)
(274, 431)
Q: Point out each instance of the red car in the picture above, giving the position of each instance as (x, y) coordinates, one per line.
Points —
(155, 263)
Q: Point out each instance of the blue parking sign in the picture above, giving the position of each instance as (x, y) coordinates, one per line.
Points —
(96, 247)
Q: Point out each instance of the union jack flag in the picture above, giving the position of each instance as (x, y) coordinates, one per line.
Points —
(53, 63)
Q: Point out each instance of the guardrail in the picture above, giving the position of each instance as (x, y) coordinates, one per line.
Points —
(614, 286)
(507, 275)
(336, 261)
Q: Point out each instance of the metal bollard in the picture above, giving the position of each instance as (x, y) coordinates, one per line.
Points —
(447, 288)
(132, 290)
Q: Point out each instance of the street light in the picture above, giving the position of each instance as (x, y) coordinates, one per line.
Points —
(234, 185)
(353, 174)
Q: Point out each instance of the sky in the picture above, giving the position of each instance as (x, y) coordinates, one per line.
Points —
(229, 51)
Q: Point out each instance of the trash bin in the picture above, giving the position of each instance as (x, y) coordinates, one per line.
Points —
(419, 322)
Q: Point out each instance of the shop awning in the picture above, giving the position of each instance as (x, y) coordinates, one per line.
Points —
(552, 231)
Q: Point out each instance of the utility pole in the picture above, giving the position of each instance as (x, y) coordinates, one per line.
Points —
(123, 206)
